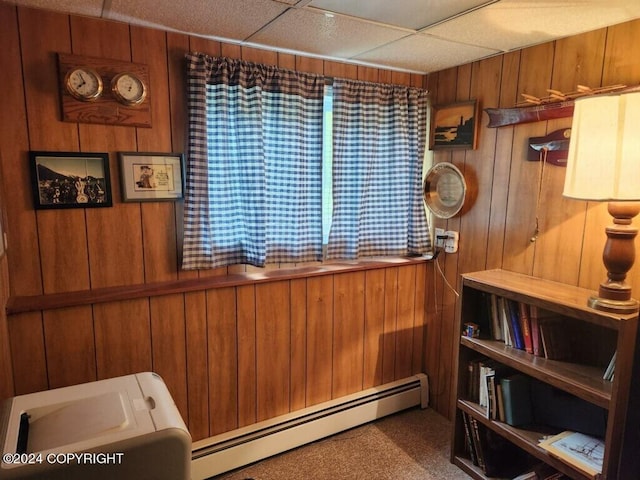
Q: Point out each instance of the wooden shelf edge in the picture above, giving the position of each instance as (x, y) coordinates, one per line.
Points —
(35, 303)
(524, 439)
(586, 382)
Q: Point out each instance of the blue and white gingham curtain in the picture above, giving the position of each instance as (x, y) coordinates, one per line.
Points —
(254, 168)
(379, 134)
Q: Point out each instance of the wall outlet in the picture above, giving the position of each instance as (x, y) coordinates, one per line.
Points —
(440, 238)
(451, 242)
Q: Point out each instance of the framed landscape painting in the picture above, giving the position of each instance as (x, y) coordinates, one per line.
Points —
(455, 126)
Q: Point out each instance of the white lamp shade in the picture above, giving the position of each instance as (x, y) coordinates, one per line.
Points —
(604, 149)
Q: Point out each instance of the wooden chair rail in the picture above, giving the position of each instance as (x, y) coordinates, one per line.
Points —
(33, 303)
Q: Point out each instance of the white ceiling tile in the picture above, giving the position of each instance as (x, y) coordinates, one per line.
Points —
(313, 32)
(231, 19)
(423, 53)
(413, 14)
(512, 24)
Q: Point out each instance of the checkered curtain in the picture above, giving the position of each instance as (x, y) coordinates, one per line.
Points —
(254, 168)
(379, 134)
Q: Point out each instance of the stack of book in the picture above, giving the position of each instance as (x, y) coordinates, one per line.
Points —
(537, 331)
(490, 452)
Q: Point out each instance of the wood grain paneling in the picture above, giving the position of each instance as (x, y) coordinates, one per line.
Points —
(242, 352)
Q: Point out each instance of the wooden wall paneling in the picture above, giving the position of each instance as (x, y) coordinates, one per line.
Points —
(247, 375)
(273, 348)
(6, 363)
(223, 359)
(319, 339)
(168, 346)
(385, 76)
(534, 78)
(149, 47)
(69, 346)
(401, 78)
(452, 268)
(390, 324)
(205, 45)
(374, 284)
(367, 74)
(114, 234)
(309, 64)
(177, 47)
(230, 50)
(348, 333)
(27, 353)
(259, 55)
(63, 245)
(405, 323)
(298, 306)
(444, 85)
(432, 330)
(478, 170)
(287, 60)
(197, 365)
(577, 61)
(420, 311)
(24, 262)
(340, 70)
(501, 161)
(123, 338)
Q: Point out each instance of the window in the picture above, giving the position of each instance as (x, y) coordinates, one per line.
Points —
(263, 183)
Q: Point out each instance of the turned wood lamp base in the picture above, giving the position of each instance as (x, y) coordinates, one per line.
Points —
(614, 294)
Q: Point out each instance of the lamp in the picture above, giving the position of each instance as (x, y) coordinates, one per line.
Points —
(604, 165)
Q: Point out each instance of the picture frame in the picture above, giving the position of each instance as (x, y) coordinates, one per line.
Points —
(70, 180)
(152, 177)
(455, 126)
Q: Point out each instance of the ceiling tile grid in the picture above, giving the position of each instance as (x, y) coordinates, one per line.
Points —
(420, 36)
(309, 30)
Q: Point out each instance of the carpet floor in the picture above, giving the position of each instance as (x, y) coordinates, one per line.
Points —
(409, 445)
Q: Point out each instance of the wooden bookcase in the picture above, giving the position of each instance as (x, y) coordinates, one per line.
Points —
(620, 397)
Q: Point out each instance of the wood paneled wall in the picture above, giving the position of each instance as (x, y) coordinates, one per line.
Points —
(508, 195)
(232, 355)
(235, 355)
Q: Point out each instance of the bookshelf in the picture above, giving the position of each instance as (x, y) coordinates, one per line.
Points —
(576, 380)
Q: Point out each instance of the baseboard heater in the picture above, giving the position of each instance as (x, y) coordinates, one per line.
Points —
(230, 450)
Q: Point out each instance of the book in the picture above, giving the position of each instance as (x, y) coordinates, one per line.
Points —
(514, 325)
(608, 373)
(556, 342)
(534, 315)
(583, 452)
(475, 436)
(525, 324)
(468, 438)
(516, 397)
(501, 416)
(507, 334)
(496, 320)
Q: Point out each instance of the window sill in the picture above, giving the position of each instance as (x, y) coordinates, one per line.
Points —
(34, 303)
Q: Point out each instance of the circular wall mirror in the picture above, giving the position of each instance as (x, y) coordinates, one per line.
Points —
(444, 190)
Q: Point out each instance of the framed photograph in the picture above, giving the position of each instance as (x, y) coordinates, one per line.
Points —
(70, 180)
(151, 177)
(455, 126)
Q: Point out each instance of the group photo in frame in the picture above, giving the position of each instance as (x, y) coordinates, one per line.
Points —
(151, 177)
(70, 179)
(455, 126)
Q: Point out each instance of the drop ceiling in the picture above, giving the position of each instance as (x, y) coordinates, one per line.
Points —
(420, 36)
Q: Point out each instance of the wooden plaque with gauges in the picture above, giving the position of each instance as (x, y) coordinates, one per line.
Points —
(105, 91)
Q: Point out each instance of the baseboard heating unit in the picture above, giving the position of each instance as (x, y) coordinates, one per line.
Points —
(230, 450)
